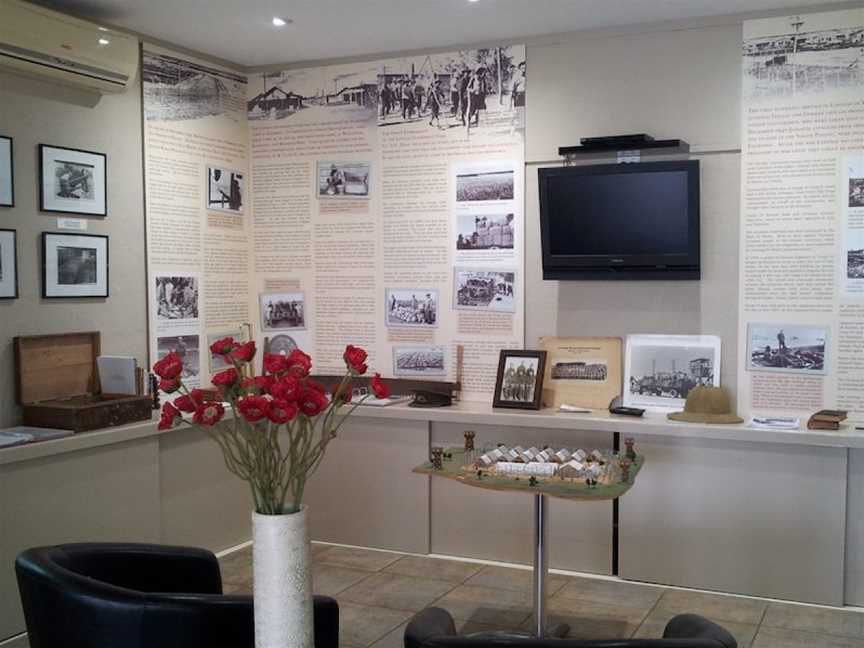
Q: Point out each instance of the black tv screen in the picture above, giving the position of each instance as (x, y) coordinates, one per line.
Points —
(620, 221)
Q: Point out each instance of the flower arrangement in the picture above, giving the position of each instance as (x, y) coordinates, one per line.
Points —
(283, 420)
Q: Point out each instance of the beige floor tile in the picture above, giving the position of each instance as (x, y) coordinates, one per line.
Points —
(590, 620)
(783, 638)
(503, 608)
(237, 588)
(394, 639)
(353, 558)
(396, 592)
(236, 567)
(654, 625)
(361, 625)
(814, 619)
(611, 592)
(452, 571)
(508, 578)
(317, 549)
(713, 606)
(331, 580)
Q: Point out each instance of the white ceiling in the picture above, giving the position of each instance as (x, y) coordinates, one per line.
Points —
(241, 30)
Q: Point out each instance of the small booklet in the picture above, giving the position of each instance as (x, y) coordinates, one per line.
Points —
(774, 422)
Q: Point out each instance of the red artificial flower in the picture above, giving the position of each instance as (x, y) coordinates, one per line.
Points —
(223, 347)
(281, 411)
(189, 402)
(275, 363)
(311, 383)
(169, 414)
(244, 352)
(312, 401)
(355, 358)
(248, 383)
(287, 389)
(253, 408)
(225, 378)
(298, 363)
(169, 367)
(169, 386)
(379, 388)
(208, 413)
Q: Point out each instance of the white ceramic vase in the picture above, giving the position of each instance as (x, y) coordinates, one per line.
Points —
(282, 585)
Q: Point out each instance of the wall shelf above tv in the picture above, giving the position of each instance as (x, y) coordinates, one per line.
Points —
(668, 147)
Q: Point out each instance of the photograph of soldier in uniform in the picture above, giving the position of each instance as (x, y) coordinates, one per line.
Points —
(176, 298)
(418, 361)
(225, 190)
(484, 182)
(484, 232)
(519, 382)
(281, 311)
(856, 192)
(789, 348)
(411, 307)
(185, 346)
(76, 266)
(343, 179)
(490, 290)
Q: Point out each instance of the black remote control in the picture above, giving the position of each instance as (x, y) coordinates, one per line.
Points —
(627, 411)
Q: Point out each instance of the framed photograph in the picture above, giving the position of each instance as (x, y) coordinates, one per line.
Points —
(176, 298)
(7, 173)
(520, 379)
(484, 290)
(225, 190)
(582, 371)
(660, 370)
(8, 265)
(74, 265)
(411, 307)
(343, 179)
(787, 348)
(73, 181)
(281, 311)
(419, 361)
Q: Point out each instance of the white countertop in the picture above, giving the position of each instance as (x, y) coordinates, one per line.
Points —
(478, 413)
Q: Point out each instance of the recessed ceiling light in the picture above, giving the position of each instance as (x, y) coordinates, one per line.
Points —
(280, 22)
(104, 41)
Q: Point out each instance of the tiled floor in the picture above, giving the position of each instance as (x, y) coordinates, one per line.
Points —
(378, 592)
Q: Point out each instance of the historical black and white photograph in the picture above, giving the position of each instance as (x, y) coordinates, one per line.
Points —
(280, 344)
(225, 190)
(177, 297)
(466, 90)
(7, 173)
(790, 348)
(282, 311)
(482, 289)
(309, 96)
(8, 264)
(73, 181)
(343, 179)
(411, 307)
(484, 232)
(217, 360)
(74, 265)
(519, 382)
(185, 346)
(803, 54)
(580, 370)
(419, 361)
(856, 192)
(487, 182)
(660, 370)
(855, 254)
(178, 89)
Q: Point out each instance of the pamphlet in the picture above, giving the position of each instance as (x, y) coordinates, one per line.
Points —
(774, 422)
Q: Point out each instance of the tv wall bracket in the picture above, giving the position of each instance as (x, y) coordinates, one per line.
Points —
(618, 143)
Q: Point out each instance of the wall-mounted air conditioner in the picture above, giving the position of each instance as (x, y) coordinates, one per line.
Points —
(39, 41)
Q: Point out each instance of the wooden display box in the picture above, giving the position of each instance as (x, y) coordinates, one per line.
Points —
(57, 385)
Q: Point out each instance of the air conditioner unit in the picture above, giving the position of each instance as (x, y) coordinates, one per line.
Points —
(39, 41)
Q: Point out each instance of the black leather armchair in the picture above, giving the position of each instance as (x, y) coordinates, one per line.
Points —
(434, 628)
(139, 596)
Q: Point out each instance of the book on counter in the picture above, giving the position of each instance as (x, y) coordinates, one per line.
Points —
(826, 419)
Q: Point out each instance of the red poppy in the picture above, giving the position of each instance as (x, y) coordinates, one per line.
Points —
(299, 363)
(169, 386)
(275, 363)
(378, 387)
(169, 367)
(223, 347)
(355, 358)
(253, 408)
(287, 389)
(209, 413)
(312, 402)
(281, 411)
(264, 383)
(169, 415)
(244, 352)
(225, 378)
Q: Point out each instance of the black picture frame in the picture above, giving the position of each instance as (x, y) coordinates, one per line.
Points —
(528, 396)
(14, 233)
(11, 202)
(100, 208)
(48, 292)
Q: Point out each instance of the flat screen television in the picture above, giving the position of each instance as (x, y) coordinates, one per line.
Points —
(620, 221)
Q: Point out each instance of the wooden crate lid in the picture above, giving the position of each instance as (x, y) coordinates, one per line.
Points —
(49, 367)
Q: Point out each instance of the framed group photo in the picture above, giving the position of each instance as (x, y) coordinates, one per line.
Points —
(8, 265)
(519, 383)
(72, 181)
(7, 173)
(74, 265)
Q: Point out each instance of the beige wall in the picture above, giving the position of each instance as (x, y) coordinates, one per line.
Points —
(33, 112)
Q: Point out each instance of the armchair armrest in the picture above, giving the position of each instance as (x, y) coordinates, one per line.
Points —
(693, 626)
(431, 622)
